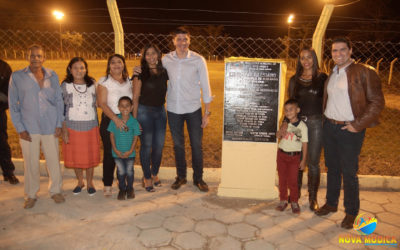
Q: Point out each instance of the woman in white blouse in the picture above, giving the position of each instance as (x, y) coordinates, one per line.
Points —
(110, 88)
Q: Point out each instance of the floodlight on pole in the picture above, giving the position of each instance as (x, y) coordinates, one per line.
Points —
(290, 21)
(59, 16)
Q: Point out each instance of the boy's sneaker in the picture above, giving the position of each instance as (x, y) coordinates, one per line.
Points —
(91, 191)
(121, 195)
(281, 206)
(295, 207)
(130, 194)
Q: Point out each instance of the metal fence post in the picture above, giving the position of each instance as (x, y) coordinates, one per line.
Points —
(391, 70)
(117, 26)
(319, 32)
(378, 64)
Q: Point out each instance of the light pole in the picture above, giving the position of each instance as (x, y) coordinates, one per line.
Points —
(59, 16)
(289, 20)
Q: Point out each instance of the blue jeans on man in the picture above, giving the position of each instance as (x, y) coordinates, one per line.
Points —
(153, 121)
(125, 173)
(341, 149)
(176, 126)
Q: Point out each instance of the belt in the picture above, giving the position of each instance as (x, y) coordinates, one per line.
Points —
(335, 122)
(290, 153)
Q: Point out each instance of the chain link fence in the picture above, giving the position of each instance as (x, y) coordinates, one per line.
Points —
(382, 143)
(96, 46)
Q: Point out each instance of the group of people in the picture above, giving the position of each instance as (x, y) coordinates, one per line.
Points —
(322, 111)
(42, 110)
(332, 112)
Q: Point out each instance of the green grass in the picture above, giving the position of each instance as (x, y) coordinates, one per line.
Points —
(380, 153)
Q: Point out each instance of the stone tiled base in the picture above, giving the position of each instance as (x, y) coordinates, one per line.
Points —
(177, 219)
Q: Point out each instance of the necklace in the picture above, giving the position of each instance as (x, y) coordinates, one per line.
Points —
(82, 92)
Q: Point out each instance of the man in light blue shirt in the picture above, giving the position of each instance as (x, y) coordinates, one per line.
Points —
(188, 80)
(37, 108)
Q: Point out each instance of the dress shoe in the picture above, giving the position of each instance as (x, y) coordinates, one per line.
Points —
(348, 221)
(203, 187)
(295, 207)
(178, 183)
(29, 203)
(314, 205)
(325, 209)
(121, 195)
(11, 179)
(130, 194)
(58, 198)
(281, 206)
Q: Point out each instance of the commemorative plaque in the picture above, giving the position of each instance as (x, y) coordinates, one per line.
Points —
(251, 101)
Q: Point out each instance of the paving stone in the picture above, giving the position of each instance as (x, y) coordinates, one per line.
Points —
(393, 197)
(321, 225)
(258, 245)
(276, 235)
(371, 196)
(171, 209)
(392, 208)
(148, 220)
(178, 224)
(335, 217)
(224, 243)
(389, 218)
(273, 212)
(190, 240)
(290, 223)
(166, 198)
(385, 229)
(292, 246)
(310, 238)
(228, 216)
(143, 207)
(156, 237)
(371, 207)
(199, 213)
(210, 228)
(164, 248)
(242, 231)
(259, 220)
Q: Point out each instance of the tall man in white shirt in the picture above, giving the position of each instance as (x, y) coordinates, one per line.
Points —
(353, 100)
(188, 80)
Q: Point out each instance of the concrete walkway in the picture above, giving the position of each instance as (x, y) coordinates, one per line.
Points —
(182, 219)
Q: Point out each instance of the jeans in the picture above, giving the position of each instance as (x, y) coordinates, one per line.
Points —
(176, 125)
(314, 147)
(342, 149)
(6, 164)
(108, 160)
(314, 125)
(125, 173)
(153, 121)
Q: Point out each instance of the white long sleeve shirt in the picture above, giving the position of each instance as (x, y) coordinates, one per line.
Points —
(188, 80)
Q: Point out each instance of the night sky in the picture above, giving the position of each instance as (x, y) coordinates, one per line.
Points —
(365, 19)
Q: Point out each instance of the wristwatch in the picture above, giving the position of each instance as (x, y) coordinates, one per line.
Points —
(206, 112)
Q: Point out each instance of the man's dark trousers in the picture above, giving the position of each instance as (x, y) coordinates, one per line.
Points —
(342, 149)
(5, 153)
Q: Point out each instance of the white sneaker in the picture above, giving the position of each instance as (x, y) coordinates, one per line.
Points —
(107, 191)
